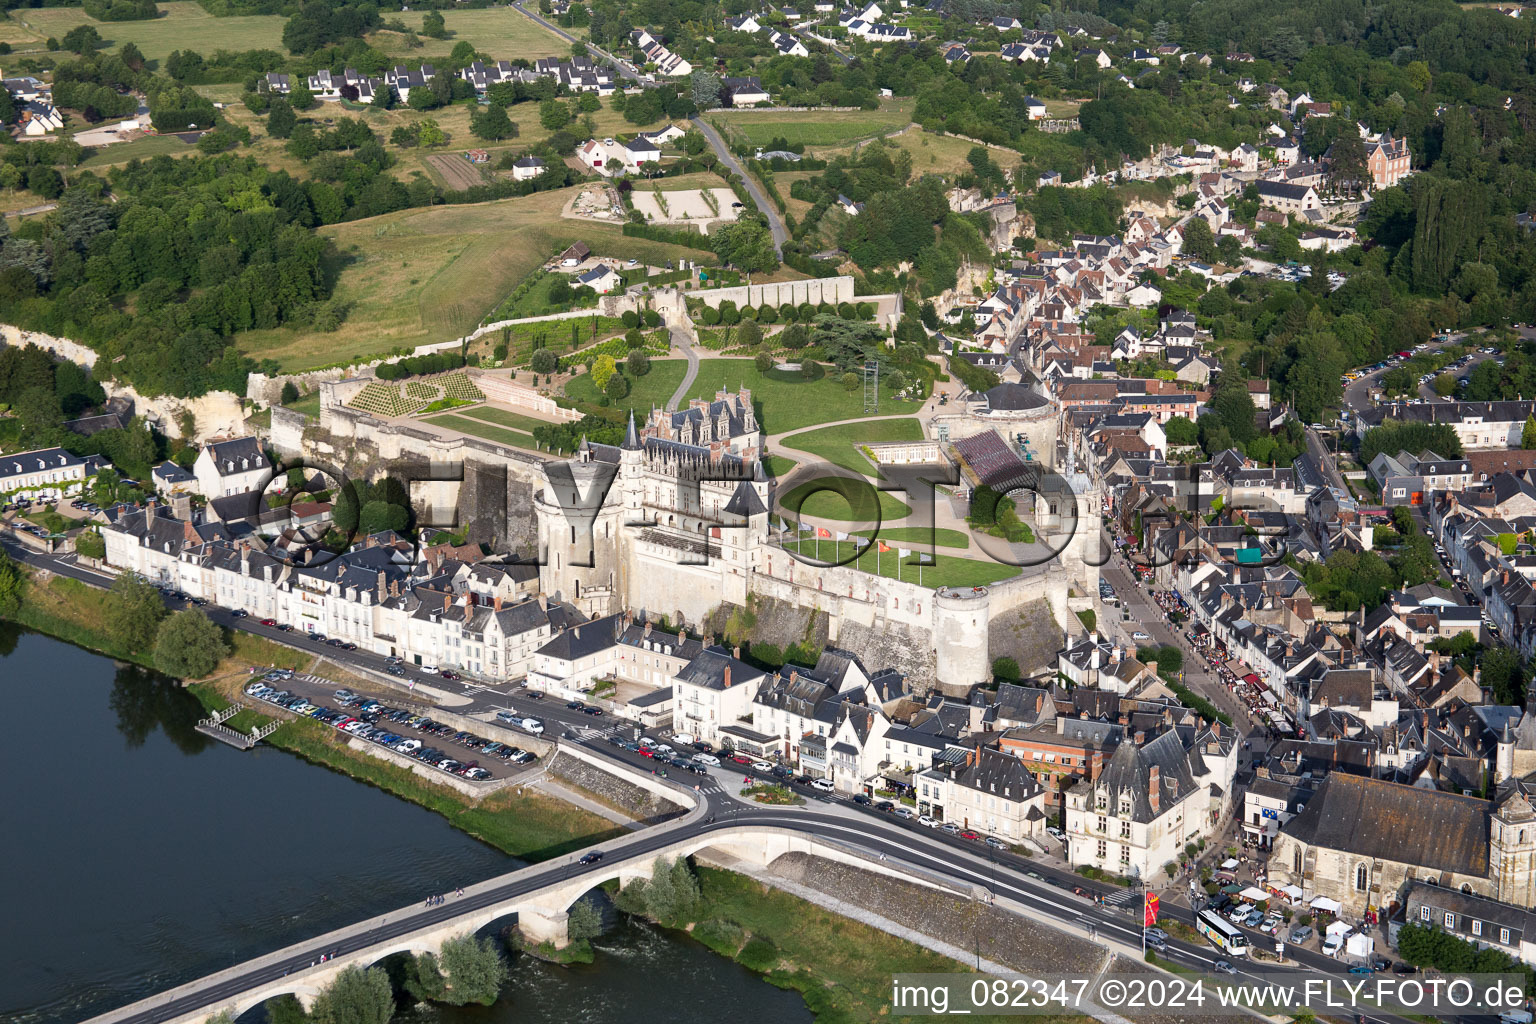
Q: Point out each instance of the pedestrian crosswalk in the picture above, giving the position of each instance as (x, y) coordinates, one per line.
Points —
(1123, 897)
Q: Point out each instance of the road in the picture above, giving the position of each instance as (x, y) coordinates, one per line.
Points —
(1320, 452)
(681, 339)
(619, 66)
(768, 210)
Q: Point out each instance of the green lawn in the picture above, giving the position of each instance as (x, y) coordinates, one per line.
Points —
(785, 400)
(655, 388)
(839, 444)
(843, 500)
(480, 428)
(138, 149)
(183, 25)
(498, 32)
(947, 570)
(778, 466)
(505, 418)
(309, 405)
(940, 536)
(822, 128)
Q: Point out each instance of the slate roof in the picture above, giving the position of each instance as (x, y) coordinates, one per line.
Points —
(1388, 821)
(708, 669)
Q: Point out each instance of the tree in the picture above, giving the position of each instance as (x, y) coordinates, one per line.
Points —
(704, 88)
(290, 393)
(1199, 241)
(83, 39)
(554, 114)
(617, 386)
(466, 970)
(637, 363)
(1528, 434)
(433, 25)
(1005, 668)
(91, 544)
(763, 362)
(544, 361)
(380, 516)
(633, 339)
(11, 585)
(1181, 431)
(189, 645)
(492, 123)
(429, 134)
(749, 335)
(1503, 673)
(280, 118)
(746, 245)
(583, 921)
(602, 370)
(136, 611)
(357, 996)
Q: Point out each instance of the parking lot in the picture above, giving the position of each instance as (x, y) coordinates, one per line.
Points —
(406, 729)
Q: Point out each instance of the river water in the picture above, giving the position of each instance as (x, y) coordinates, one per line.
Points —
(140, 855)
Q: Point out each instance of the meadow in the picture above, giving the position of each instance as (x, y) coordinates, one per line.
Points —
(182, 25)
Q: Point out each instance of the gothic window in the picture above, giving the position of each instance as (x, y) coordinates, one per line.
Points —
(1362, 878)
(1296, 860)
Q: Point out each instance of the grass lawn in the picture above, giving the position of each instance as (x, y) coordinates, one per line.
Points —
(429, 275)
(941, 537)
(932, 154)
(309, 405)
(843, 500)
(778, 466)
(816, 128)
(498, 32)
(655, 388)
(946, 570)
(532, 826)
(139, 149)
(839, 444)
(785, 400)
(183, 25)
(480, 428)
(505, 418)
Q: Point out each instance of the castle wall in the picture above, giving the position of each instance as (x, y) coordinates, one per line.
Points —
(815, 290)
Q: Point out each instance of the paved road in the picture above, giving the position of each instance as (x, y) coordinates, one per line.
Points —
(618, 65)
(1318, 449)
(768, 210)
(682, 339)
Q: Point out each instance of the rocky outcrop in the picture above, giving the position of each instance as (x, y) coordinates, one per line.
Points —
(1028, 634)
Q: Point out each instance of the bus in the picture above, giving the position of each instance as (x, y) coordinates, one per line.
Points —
(1222, 934)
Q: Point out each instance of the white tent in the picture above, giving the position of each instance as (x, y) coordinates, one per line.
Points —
(1229, 864)
(1253, 895)
(1360, 945)
(1338, 928)
(1324, 903)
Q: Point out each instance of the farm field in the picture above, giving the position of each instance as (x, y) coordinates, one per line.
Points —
(499, 32)
(824, 128)
(839, 444)
(183, 25)
(428, 275)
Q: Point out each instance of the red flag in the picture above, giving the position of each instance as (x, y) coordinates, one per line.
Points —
(884, 547)
(1151, 911)
(824, 533)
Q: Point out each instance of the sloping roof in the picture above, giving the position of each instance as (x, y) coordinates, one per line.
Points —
(1407, 824)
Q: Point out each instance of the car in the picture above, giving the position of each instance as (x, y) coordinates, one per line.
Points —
(905, 813)
(822, 785)
(1404, 969)
(1254, 919)
(592, 858)
(447, 674)
(1300, 934)
(595, 712)
(509, 716)
(737, 206)
(1055, 832)
(1270, 925)
(996, 843)
(968, 834)
(532, 725)
(707, 759)
(930, 822)
(269, 622)
(239, 613)
(647, 752)
(738, 758)
(950, 828)
(1141, 637)
(1361, 969)
(1223, 967)
(395, 670)
(862, 798)
(343, 695)
(574, 705)
(762, 766)
(533, 695)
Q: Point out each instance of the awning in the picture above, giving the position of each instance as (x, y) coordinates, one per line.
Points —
(1229, 863)
(1251, 679)
(1338, 928)
(1324, 903)
(1254, 895)
(1291, 892)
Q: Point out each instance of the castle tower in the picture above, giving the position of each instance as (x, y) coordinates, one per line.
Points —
(960, 618)
(1512, 850)
(580, 515)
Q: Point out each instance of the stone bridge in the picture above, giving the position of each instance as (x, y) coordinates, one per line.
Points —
(537, 898)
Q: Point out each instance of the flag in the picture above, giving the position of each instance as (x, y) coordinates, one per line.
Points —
(903, 552)
(884, 546)
(1151, 910)
(823, 533)
(841, 536)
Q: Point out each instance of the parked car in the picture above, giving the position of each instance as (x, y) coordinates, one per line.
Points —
(707, 759)
(996, 843)
(904, 812)
(824, 785)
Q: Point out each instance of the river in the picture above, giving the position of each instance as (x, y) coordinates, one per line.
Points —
(140, 855)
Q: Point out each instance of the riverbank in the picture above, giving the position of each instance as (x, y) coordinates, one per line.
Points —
(529, 826)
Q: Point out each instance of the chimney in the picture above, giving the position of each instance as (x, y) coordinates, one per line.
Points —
(1155, 789)
(647, 631)
(736, 653)
(1216, 729)
(469, 611)
(1140, 738)
(576, 632)
(1152, 667)
(496, 603)
(1506, 577)
(679, 636)
(1039, 702)
(543, 603)
(727, 677)
(447, 601)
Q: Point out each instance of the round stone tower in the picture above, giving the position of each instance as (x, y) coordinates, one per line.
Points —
(960, 617)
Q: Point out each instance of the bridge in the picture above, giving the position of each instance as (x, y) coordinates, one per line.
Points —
(536, 897)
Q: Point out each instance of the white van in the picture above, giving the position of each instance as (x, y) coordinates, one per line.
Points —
(1331, 944)
(1515, 1017)
(683, 739)
(532, 725)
